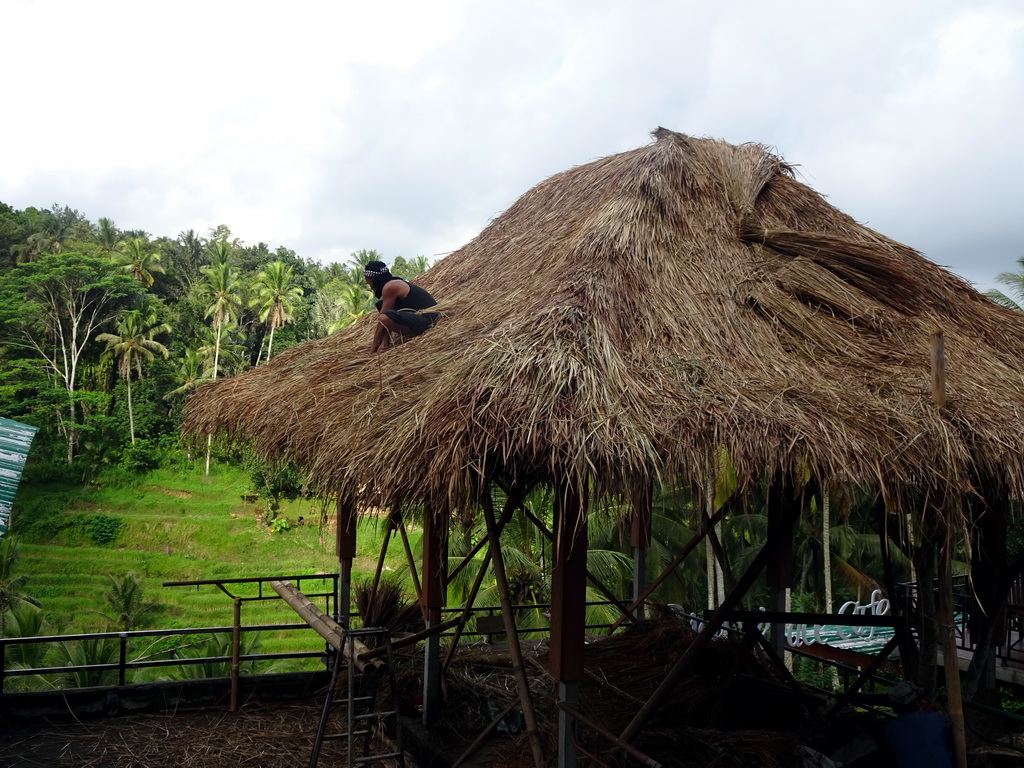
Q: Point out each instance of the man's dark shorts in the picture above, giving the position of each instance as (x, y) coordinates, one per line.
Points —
(415, 322)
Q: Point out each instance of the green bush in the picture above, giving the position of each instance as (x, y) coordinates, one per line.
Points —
(104, 529)
(140, 456)
(38, 519)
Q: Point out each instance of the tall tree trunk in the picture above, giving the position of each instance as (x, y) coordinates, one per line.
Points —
(216, 362)
(131, 417)
(70, 432)
(270, 343)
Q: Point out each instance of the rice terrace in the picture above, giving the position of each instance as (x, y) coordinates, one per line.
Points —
(567, 524)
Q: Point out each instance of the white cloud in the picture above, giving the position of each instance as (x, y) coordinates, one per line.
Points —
(333, 126)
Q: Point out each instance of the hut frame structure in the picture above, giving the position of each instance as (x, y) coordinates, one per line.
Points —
(623, 326)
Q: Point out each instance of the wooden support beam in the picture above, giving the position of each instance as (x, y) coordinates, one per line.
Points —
(950, 659)
(432, 599)
(598, 584)
(640, 540)
(346, 548)
(568, 586)
(435, 558)
(515, 650)
(382, 557)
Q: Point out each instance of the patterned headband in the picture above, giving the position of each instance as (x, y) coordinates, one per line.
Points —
(376, 272)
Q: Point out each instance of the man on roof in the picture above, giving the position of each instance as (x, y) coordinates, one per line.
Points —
(400, 304)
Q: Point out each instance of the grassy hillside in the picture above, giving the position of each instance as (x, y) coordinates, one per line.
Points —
(172, 526)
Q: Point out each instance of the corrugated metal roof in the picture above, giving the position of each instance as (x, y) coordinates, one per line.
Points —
(15, 440)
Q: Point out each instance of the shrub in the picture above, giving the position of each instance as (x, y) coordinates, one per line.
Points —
(38, 519)
(140, 456)
(104, 529)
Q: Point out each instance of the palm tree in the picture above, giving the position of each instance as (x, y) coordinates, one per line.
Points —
(224, 294)
(1015, 282)
(124, 597)
(190, 373)
(138, 259)
(11, 596)
(276, 296)
(107, 234)
(131, 344)
(24, 620)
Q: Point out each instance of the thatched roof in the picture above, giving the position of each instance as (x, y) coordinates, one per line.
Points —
(625, 320)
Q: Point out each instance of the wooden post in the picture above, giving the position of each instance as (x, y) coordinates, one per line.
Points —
(432, 599)
(779, 571)
(991, 585)
(568, 610)
(640, 540)
(950, 659)
(938, 349)
(346, 546)
(236, 652)
(508, 614)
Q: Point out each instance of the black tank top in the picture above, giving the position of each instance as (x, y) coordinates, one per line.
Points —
(417, 298)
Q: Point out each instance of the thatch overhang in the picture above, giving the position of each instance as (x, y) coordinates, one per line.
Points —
(627, 319)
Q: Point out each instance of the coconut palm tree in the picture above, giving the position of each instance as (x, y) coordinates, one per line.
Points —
(275, 297)
(223, 293)
(1015, 282)
(190, 373)
(140, 260)
(131, 344)
(107, 234)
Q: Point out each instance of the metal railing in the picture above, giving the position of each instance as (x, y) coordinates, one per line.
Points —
(133, 646)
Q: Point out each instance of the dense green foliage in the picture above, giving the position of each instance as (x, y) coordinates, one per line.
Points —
(103, 331)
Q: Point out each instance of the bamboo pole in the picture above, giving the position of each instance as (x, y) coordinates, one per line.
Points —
(515, 651)
(408, 640)
(512, 501)
(327, 628)
(388, 529)
(400, 524)
(467, 609)
(950, 658)
(682, 665)
(697, 538)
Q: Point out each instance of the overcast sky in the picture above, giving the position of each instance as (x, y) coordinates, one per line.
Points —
(328, 127)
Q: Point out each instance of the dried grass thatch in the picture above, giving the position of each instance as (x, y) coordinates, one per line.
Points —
(626, 319)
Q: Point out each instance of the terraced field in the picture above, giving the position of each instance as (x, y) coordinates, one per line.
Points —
(179, 527)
